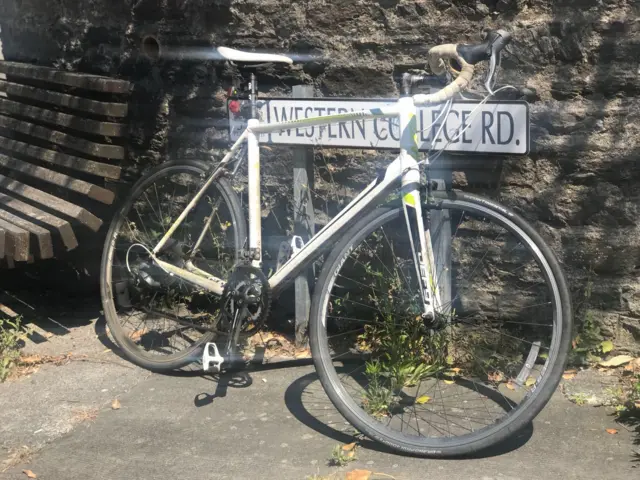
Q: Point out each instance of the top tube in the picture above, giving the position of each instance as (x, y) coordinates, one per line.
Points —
(383, 112)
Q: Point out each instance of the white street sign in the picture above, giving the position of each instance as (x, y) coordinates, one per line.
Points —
(494, 127)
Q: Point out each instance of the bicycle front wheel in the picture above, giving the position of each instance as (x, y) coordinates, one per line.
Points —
(481, 370)
(158, 320)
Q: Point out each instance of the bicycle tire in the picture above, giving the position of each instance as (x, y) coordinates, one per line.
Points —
(434, 447)
(131, 351)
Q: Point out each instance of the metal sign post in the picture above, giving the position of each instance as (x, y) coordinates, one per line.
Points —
(304, 224)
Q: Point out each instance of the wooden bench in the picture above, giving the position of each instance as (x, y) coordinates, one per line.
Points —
(62, 138)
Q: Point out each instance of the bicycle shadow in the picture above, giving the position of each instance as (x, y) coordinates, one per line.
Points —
(309, 404)
(233, 379)
(241, 379)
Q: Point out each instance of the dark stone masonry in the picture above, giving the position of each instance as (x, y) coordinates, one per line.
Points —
(580, 185)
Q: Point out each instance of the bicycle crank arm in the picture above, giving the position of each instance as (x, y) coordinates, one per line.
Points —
(234, 334)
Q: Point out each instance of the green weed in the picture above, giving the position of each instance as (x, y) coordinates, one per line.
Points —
(11, 334)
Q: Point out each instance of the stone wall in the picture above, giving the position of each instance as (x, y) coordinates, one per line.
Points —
(581, 59)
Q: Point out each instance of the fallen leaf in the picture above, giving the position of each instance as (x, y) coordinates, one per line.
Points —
(612, 431)
(530, 381)
(637, 404)
(449, 382)
(349, 447)
(137, 335)
(29, 474)
(358, 475)
(633, 365)
(31, 359)
(456, 369)
(115, 405)
(495, 377)
(617, 361)
(349, 450)
(423, 399)
(569, 374)
(606, 346)
(510, 385)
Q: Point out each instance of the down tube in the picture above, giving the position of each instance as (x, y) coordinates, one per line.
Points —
(368, 198)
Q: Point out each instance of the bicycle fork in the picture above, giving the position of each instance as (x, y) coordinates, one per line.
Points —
(419, 237)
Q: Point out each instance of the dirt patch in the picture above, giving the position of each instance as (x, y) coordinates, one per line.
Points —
(272, 346)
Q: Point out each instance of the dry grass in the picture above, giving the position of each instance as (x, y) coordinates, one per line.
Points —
(17, 456)
(20, 371)
(29, 364)
(85, 414)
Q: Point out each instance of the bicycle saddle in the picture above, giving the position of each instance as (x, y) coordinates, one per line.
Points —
(251, 57)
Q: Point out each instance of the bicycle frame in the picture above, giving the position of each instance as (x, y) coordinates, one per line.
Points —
(403, 172)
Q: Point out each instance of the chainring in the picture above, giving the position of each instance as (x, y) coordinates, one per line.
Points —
(251, 282)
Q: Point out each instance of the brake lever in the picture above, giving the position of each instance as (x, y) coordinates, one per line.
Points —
(491, 80)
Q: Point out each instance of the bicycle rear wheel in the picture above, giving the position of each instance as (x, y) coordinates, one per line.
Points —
(158, 320)
(482, 370)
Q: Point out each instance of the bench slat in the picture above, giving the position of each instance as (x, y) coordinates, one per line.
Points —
(16, 242)
(2, 243)
(79, 80)
(108, 109)
(64, 139)
(60, 179)
(54, 203)
(108, 129)
(43, 236)
(62, 226)
(62, 159)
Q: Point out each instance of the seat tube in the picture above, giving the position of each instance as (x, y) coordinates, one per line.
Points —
(255, 211)
(411, 201)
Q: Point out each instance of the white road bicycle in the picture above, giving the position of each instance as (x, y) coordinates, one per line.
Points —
(409, 365)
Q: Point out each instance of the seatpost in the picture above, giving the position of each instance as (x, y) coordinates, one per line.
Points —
(253, 165)
(253, 98)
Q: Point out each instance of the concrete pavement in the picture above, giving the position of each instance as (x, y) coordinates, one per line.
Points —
(278, 424)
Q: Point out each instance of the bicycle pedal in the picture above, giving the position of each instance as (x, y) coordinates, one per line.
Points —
(211, 362)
